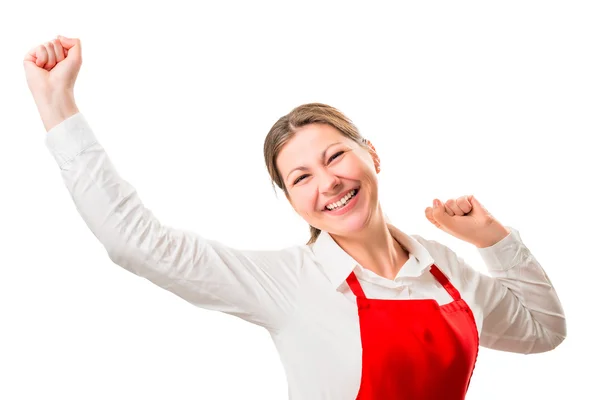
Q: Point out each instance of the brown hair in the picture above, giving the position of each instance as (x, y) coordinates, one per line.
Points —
(285, 128)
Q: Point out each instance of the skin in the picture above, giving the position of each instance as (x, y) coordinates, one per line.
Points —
(51, 70)
(362, 232)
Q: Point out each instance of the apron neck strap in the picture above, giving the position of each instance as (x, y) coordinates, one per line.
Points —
(435, 271)
(443, 280)
(354, 285)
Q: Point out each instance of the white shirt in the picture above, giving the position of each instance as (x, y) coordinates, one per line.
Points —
(299, 294)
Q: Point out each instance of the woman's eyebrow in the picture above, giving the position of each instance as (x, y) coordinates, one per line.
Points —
(302, 167)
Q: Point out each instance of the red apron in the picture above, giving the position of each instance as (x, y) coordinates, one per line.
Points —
(416, 349)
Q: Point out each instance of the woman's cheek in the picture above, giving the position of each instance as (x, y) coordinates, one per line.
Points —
(308, 198)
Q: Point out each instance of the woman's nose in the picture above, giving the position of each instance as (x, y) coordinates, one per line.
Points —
(329, 182)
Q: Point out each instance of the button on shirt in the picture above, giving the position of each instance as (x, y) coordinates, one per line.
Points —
(299, 294)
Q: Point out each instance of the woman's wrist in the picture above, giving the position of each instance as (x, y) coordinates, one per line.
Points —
(56, 107)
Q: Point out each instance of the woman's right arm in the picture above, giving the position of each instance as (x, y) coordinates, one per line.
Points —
(257, 286)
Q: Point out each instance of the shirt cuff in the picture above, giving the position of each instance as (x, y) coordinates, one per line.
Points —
(503, 255)
(69, 138)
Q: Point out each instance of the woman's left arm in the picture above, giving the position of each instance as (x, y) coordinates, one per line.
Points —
(520, 307)
(521, 310)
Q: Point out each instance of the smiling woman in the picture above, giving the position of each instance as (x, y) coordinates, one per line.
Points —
(363, 310)
(323, 158)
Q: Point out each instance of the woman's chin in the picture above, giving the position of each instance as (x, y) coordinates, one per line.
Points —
(348, 226)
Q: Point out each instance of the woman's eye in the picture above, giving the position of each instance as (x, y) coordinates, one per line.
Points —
(335, 155)
(299, 178)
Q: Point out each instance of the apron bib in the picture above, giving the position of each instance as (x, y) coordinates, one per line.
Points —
(416, 349)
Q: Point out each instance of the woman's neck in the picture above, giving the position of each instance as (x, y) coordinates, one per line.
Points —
(374, 248)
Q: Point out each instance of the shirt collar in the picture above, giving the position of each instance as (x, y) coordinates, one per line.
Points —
(337, 264)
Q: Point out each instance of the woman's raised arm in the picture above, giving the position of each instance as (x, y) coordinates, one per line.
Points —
(517, 305)
(257, 286)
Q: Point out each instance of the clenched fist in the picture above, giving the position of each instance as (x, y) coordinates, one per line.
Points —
(53, 66)
(467, 219)
(51, 70)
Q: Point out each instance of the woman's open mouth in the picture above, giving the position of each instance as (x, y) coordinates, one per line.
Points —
(343, 205)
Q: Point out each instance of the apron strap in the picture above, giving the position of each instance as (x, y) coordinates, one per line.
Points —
(435, 271)
(354, 285)
(443, 280)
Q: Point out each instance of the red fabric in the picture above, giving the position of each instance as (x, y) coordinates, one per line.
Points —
(416, 349)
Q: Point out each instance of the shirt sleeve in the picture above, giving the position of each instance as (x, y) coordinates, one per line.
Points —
(257, 286)
(521, 309)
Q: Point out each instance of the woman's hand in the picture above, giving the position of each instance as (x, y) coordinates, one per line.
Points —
(51, 70)
(466, 219)
(52, 67)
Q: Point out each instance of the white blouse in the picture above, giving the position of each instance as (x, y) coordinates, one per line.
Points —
(299, 294)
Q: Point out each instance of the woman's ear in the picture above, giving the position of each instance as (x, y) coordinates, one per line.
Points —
(374, 155)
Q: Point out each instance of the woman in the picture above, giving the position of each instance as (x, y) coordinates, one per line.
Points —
(363, 310)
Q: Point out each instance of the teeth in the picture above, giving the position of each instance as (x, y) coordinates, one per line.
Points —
(343, 201)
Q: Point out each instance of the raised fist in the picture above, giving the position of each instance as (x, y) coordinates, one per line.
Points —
(51, 68)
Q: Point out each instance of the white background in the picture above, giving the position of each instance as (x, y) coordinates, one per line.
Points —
(496, 99)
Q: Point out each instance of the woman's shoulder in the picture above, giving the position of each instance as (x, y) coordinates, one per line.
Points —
(441, 255)
(432, 245)
(292, 257)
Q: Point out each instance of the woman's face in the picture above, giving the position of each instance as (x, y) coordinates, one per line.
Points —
(320, 167)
